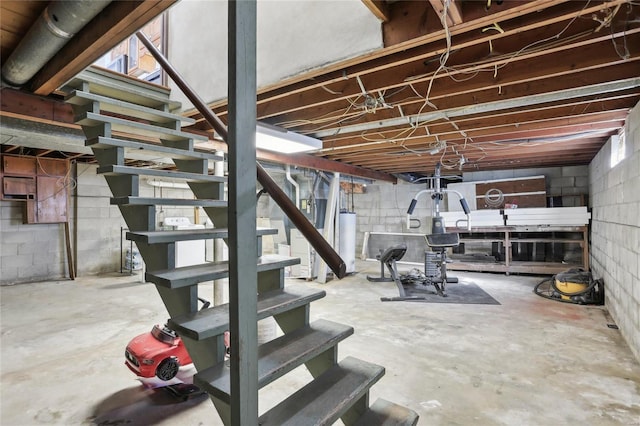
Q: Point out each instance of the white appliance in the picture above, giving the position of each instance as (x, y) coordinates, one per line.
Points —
(187, 252)
(300, 247)
(347, 243)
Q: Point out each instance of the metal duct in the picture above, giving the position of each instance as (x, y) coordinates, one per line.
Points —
(295, 184)
(59, 22)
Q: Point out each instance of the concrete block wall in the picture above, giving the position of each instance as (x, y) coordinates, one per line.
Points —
(615, 230)
(29, 252)
(383, 208)
(571, 182)
(98, 224)
(37, 252)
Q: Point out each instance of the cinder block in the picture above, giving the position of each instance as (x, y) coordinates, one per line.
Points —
(571, 201)
(554, 191)
(35, 247)
(379, 228)
(636, 291)
(634, 165)
(8, 249)
(562, 182)
(631, 190)
(18, 261)
(575, 171)
(35, 272)
(571, 190)
(18, 236)
(582, 182)
(8, 274)
(550, 172)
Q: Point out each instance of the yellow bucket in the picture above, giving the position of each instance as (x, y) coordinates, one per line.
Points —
(569, 288)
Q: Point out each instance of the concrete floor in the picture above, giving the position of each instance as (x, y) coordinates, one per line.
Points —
(527, 361)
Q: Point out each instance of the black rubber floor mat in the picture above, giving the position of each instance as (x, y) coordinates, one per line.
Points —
(463, 293)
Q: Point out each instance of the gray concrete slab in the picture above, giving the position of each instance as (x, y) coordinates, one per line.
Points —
(527, 361)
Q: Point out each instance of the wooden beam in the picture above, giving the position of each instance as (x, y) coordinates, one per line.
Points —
(618, 105)
(116, 22)
(497, 126)
(454, 14)
(526, 67)
(32, 107)
(319, 163)
(416, 50)
(379, 8)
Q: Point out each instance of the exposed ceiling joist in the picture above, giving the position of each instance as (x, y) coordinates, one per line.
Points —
(119, 20)
(450, 9)
(522, 84)
(379, 8)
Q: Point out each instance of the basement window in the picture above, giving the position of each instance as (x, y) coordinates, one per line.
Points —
(617, 148)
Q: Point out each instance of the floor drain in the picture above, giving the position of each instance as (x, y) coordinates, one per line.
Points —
(615, 327)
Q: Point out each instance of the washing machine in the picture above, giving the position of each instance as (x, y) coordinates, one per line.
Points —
(187, 252)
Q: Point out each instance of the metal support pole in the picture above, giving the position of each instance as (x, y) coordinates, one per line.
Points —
(323, 248)
(242, 213)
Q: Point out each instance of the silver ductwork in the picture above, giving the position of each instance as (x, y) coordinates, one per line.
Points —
(59, 22)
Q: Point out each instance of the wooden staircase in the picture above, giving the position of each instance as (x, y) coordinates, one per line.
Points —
(124, 118)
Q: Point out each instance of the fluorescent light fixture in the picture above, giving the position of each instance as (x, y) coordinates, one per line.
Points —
(272, 138)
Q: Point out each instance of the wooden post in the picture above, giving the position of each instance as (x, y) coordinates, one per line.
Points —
(67, 237)
(243, 276)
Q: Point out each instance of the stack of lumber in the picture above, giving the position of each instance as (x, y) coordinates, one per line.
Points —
(479, 218)
(568, 216)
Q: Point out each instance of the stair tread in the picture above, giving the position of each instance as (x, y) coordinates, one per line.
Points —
(279, 356)
(145, 201)
(192, 275)
(386, 413)
(117, 86)
(214, 321)
(104, 142)
(136, 128)
(326, 398)
(117, 106)
(160, 237)
(172, 174)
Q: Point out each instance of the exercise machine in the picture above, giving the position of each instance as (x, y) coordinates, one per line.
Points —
(435, 263)
(435, 260)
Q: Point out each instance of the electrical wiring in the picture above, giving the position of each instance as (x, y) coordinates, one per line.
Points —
(445, 56)
(356, 106)
(453, 72)
(333, 92)
(626, 54)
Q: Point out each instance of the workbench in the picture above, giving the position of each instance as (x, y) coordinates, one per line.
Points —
(516, 243)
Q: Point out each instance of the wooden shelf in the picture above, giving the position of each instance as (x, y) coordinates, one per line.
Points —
(513, 236)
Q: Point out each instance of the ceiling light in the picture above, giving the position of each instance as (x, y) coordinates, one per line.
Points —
(272, 138)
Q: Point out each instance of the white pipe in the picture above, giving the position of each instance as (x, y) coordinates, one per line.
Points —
(165, 184)
(295, 185)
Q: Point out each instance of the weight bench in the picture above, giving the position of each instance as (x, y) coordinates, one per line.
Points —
(389, 258)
